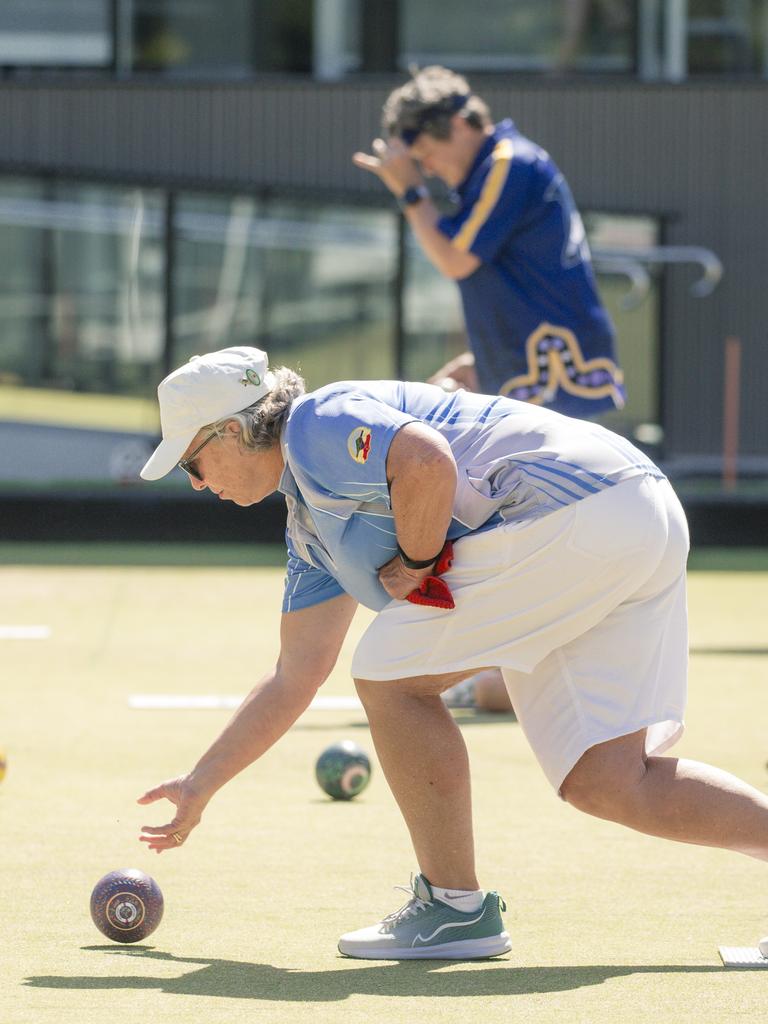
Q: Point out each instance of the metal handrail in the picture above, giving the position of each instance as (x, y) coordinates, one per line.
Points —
(640, 279)
(711, 266)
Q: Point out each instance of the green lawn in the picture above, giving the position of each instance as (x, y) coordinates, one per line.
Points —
(199, 554)
(607, 925)
(75, 409)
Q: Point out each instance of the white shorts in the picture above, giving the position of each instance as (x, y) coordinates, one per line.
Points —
(584, 611)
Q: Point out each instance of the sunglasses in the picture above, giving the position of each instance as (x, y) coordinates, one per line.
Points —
(186, 464)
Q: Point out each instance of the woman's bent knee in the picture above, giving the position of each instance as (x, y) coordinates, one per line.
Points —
(413, 686)
(606, 781)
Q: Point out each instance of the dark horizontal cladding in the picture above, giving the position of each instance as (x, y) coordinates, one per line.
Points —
(72, 517)
(300, 134)
(89, 517)
(299, 137)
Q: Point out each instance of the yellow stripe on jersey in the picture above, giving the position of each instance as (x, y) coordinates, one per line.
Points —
(489, 195)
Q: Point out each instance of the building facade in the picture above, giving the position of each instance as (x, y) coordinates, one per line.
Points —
(168, 186)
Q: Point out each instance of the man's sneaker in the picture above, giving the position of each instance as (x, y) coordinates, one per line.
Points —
(428, 929)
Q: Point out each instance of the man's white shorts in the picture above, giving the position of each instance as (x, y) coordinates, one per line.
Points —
(584, 610)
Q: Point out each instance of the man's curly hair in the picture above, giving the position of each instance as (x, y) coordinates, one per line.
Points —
(428, 102)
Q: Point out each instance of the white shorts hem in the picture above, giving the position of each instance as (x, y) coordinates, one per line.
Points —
(670, 723)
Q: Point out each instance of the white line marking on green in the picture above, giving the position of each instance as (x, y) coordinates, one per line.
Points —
(25, 632)
(208, 702)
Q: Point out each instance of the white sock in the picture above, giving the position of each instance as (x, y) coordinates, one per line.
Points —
(465, 900)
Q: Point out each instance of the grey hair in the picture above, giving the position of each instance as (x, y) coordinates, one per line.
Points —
(429, 92)
(262, 423)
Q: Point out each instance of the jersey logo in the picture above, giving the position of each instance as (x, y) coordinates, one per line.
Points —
(555, 360)
(575, 247)
(359, 444)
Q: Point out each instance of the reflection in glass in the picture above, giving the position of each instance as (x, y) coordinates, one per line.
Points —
(726, 36)
(311, 284)
(80, 286)
(433, 322)
(81, 272)
(637, 329)
(215, 36)
(527, 35)
(72, 34)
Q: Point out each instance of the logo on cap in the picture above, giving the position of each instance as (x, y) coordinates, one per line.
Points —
(251, 377)
(359, 444)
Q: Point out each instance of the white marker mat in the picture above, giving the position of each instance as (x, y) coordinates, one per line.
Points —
(25, 632)
(206, 702)
(742, 956)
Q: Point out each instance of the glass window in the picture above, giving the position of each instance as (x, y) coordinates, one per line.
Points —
(82, 300)
(530, 35)
(310, 283)
(82, 278)
(81, 271)
(79, 286)
(337, 37)
(210, 37)
(23, 306)
(629, 288)
(433, 322)
(230, 36)
(703, 37)
(46, 33)
(726, 36)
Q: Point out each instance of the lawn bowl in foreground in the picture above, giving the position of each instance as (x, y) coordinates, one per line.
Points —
(126, 905)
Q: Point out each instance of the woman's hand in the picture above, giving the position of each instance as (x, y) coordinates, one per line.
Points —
(398, 580)
(190, 804)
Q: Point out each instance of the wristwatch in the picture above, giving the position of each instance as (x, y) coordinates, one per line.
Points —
(412, 195)
(414, 563)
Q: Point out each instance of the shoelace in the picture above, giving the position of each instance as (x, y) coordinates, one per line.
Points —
(414, 906)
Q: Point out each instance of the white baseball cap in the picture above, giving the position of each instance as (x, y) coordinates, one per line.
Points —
(206, 389)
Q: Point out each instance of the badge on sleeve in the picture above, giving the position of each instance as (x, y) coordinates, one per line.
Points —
(359, 444)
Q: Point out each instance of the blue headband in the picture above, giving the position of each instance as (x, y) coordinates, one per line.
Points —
(447, 106)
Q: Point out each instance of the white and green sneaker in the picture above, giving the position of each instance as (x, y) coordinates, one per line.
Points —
(426, 928)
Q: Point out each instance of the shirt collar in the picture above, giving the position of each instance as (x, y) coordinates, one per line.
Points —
(287, 484)
(499, 130)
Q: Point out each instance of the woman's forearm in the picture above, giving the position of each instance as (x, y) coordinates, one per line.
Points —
(266, 714)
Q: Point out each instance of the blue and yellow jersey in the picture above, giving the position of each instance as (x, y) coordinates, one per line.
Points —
(516, 462)
(535, 321)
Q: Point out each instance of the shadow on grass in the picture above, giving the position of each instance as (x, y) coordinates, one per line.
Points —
(464, 716)
(237, 980)
(732, 652)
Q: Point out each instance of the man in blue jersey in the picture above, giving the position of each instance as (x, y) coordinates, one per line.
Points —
(515, 245)
(482, 531)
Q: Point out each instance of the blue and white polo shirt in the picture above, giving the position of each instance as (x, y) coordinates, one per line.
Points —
(516, 462)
